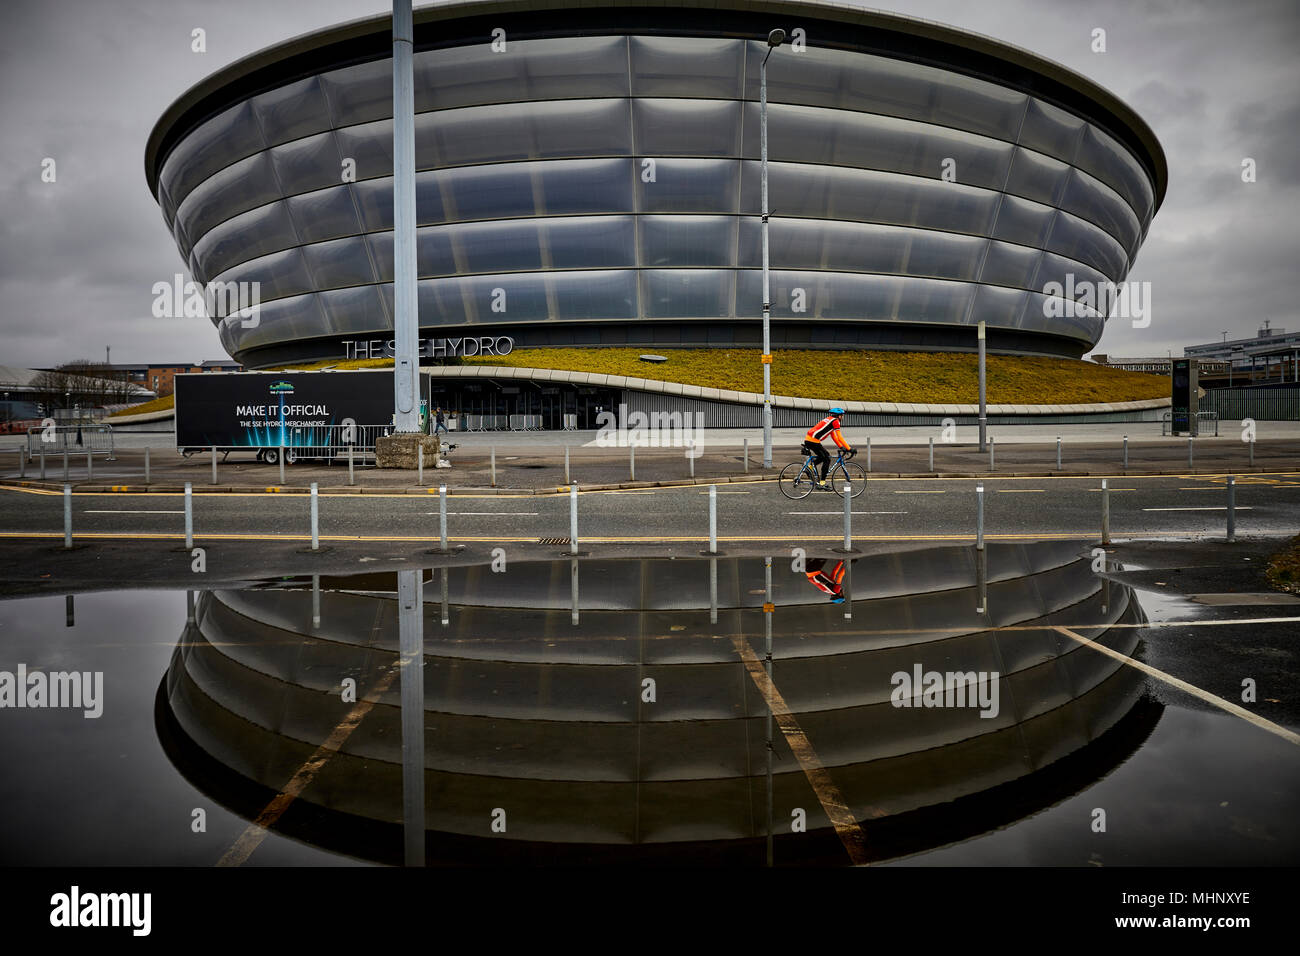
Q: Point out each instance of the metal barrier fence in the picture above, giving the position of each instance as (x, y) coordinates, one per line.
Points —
(487, 423)
(1266, 404)
(1202, 419)
(525, 423)
(56, 439)
(313, 441)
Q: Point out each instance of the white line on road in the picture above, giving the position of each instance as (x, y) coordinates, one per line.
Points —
(116, 511)
(801, 513)
(1203, 508)
(484, 514)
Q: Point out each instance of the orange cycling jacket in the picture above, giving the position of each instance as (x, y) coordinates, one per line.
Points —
(830, 582)
(830, 425)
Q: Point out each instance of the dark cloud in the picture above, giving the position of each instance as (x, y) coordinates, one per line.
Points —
(83, 83)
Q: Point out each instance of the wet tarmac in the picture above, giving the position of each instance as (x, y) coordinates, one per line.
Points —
(956, 708)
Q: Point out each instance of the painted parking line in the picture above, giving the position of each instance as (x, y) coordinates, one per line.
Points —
(125, 511)
(1182, 685)
(828, 794)
(482, 514)
(255, 832)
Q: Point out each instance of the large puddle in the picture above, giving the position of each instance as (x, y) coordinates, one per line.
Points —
(627, 711)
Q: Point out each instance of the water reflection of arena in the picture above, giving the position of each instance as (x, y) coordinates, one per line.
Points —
(528, 712)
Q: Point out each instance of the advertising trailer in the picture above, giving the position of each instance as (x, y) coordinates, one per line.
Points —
(318, 414)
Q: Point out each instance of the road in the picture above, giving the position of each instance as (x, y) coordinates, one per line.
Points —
(890, 509)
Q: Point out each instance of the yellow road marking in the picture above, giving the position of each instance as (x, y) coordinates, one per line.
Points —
(255, 833)
(1182, 685)
(828, 794)
(1020, 491)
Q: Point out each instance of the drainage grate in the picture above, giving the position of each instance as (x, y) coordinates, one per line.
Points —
(554, 541)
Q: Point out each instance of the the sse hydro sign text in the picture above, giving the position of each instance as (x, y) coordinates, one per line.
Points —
(432, 348)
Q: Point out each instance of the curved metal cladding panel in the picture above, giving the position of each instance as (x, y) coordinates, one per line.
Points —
(573, 185)
(526, 710)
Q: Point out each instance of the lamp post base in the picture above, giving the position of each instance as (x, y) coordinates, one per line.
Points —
(401, 450)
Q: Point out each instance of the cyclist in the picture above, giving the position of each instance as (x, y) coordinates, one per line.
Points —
(828, 582)
(812, 442)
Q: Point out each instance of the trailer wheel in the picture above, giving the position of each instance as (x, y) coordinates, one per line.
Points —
(273, 456)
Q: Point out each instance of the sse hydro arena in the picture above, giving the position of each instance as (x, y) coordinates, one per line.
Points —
(588, 175)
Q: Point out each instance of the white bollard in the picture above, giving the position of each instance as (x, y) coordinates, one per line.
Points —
(573, 518)
(442, 517)
(848, 515)
(1232, 509)
(315, 519)
(1105, 512)
(713, 519)
(146, 466)
(979, 517)
(189, 516)
(67, 516)
(214, 464)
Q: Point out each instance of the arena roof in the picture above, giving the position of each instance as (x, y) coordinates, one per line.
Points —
(869, 31)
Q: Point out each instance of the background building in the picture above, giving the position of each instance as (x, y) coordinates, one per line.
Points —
(589, 175)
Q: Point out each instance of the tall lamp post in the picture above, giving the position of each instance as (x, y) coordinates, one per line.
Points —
(406, 417)
(774, 40)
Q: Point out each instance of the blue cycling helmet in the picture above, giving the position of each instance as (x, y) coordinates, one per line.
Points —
(837, 411)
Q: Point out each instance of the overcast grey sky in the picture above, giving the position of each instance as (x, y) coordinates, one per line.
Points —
(83, 81)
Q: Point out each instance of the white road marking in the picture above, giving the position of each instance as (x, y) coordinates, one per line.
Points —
(1204, 508)
(484, 514)
(116, 511)
(1192, 689)
(842, 512)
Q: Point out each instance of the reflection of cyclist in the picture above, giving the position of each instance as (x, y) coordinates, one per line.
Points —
(812, 442)
(831, 582)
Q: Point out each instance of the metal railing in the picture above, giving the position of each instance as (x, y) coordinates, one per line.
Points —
(1202, 419)
(75, 439)
(332, 441)
(1263, 404)
(487, 423)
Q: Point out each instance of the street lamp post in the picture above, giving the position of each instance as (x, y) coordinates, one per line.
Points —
(774, 40)
(406, 416)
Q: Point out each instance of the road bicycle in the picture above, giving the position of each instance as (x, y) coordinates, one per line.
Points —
(799, 479)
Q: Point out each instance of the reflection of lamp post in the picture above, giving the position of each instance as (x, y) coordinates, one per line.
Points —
(774, 40)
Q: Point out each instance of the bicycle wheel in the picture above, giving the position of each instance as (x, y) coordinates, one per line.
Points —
(856, 474)
(795, 481)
